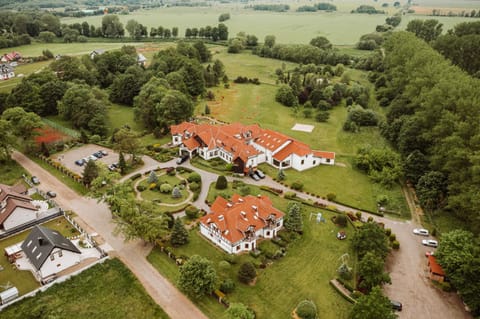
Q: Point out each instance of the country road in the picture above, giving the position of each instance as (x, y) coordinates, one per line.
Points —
(98, 217)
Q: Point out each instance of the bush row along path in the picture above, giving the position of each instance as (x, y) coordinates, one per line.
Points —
(407, 266)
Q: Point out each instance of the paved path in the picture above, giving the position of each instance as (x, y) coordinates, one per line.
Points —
(98, 217)
(406, 266)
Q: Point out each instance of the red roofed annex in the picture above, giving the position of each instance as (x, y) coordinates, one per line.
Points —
(247, 146)
(236, 225)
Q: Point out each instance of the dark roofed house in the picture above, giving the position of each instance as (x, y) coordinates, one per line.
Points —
(49, 252)
(6, 72)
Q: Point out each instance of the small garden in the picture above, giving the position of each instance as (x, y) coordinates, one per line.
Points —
(295, 266)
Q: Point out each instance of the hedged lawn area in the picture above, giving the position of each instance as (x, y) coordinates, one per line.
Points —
(310, 262)
(107, 290)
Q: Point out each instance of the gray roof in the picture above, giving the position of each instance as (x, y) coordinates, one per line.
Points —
(41, 242)
(5, 68)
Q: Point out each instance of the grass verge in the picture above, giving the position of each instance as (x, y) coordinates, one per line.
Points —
(105, 290)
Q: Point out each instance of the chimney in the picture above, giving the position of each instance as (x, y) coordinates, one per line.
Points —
(40, 241)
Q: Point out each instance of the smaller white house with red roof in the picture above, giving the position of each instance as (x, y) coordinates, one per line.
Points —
(247, 146)
(236, 225)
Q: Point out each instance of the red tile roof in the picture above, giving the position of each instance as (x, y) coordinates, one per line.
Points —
(191, 143)
(271, 139)
(434, 266)
(322, 154)
(234, 218)
(295, 147)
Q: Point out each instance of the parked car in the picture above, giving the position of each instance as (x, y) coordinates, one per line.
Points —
(112, 167)
(254, 176)
(98, 154)
(259, 173)
(421, 231)
(430, 243)
(104, 153)
(80, 162)
(92, 158)
(182, 159)
(397, 305)
(35, 180)
(51, 194)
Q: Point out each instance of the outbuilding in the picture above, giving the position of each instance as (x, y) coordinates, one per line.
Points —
(435, 270)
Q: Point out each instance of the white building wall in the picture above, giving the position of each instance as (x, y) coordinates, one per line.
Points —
(326, 161)
(231, 248)
(177, 139)
(67, 260)
(309, 161)
(19, 216)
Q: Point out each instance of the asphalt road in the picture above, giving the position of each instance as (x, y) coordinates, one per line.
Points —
(98, 217)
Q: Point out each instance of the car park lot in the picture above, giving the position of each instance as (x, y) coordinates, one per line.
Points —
(71, 158)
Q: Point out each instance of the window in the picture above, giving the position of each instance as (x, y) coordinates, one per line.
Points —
(314, 162)
(328, 160)
(246, 246)
(52, 257)
(268, 233)
(238, 247)
(302, 162)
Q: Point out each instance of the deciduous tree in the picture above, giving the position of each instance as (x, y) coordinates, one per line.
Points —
(197, 277)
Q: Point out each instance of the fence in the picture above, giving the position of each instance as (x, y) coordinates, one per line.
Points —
(84, 234)
(56, 281)
(28, 225)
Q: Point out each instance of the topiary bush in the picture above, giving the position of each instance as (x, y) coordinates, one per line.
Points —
(194, 177)
(306, 309)
(290, 195)
(194, 186)
(191, 212)
(166, 188)
(341, 220)
(221, 182)
(247, 273)
(297, 186)
(140, 188)
(396, 244)
(331, 197)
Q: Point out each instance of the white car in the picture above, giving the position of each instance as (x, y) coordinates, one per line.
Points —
(430, 242)
(421, 231)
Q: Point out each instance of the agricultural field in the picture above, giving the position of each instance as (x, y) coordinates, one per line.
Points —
(311, 261)
(109, 289)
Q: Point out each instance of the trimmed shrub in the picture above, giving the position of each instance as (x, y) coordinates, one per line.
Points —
(136, 176)
(194, 177)
(297, 186)
(306, 309)
(331, 197)
(388, 231)
(290, 195)
(227, 286)
(221, 182)
(152, 186)
(392, 237)
(194, 186)
(191, 212)
(395, 244)
(247, 273)
(231, 258)
(140, 188)
(166, 188)
(341, 220)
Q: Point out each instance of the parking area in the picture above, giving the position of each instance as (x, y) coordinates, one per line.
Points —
(68, 158)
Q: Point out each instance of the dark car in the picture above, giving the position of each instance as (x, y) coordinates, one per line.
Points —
(397, 305)
(254, 176)
(80, 162)
(182, 158)
(98, 154)
(35, 180)
(113, 166)
(51, 194)
(259, 173)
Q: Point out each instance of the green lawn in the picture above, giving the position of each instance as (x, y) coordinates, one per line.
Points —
(11, 172)
(24, 280)
(107, 290)
(120, 115)
(162, 197)
(25, 69)
(310, 263)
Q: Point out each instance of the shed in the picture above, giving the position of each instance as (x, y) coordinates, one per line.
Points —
(8, 295)
(13, 252)
(435, 270)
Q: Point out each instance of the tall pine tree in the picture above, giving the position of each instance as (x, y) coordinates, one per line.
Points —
(293, 221)
(179, 233)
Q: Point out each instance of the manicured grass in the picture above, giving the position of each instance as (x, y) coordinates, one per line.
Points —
(11, 172)
(311, 261)
(153, 195)
(24, 280)
(105, 290)
(120, 115)
(79, 188)
(149, 139)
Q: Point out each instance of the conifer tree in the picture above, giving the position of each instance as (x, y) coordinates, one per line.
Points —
(179, 233)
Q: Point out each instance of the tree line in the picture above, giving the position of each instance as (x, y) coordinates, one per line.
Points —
(433, 120)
